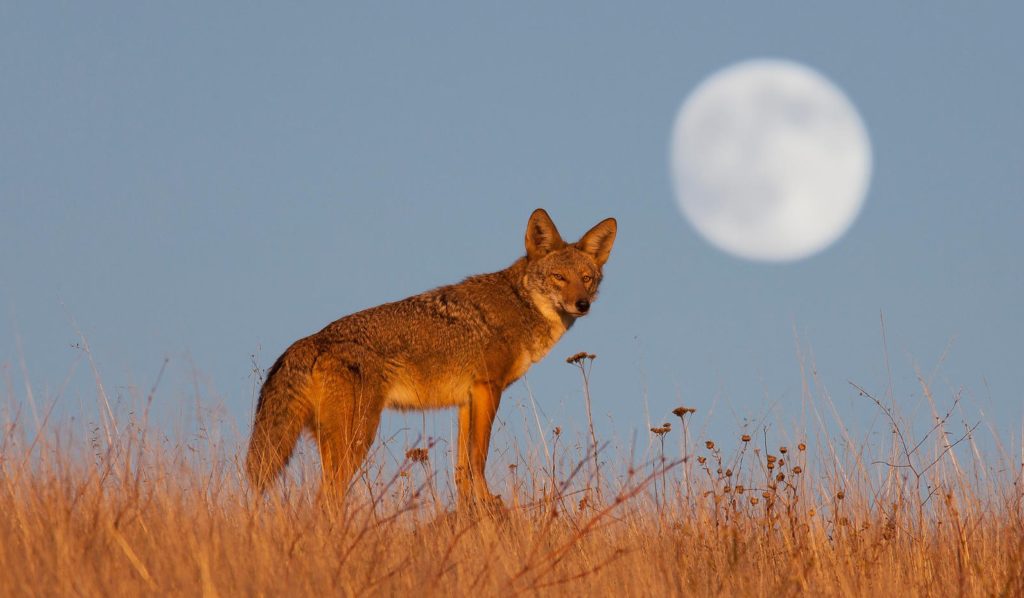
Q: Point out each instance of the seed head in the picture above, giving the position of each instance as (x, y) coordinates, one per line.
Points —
(662, 430)
(739, 488)
(783, 450)
(840, 495)
(579, 357)
(702, 460)
(802, 446)
(728, 473)
(745, 438)
(710, 445)
(682, 411)
(798, 470)
(772, 458)
(780, 477)
(558, 431)
(753, 500)
(417, 455)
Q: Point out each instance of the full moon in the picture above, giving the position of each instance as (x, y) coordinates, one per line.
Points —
(770, 160)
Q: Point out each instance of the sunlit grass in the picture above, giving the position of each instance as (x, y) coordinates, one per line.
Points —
(125, 510)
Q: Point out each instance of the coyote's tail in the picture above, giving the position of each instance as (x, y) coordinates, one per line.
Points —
(281, 413)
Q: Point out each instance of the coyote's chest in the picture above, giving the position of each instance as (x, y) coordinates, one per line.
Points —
(534, 353)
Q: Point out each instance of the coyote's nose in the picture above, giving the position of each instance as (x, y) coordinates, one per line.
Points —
(583, 305)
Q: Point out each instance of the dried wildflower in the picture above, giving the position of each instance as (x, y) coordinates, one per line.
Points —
(753, 500)
(811, 513)
(798, 470)
(710, 445)
(681, 411)
(802, 446)
(558, 431)
(782, 462)
(728, 473)
(840, 495)
(727, 489)
(771, 465)
(780, 477)
(512, 467)
(584, 502)
(577, 358)
(662, 430)
(702, 460)
(766, 495)
(417, 455)
(772, 458)
(745, 438)
(740, 489)
(783, 450)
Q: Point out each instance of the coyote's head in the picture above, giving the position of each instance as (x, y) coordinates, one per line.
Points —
(562, 278)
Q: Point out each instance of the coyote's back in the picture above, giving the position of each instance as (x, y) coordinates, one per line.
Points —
(459, 345)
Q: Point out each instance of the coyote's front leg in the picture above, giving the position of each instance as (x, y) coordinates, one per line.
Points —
(475, 420)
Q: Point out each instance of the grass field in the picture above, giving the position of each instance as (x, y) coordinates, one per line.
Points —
(124, 510)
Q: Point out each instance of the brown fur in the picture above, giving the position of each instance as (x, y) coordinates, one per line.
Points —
(455, 346)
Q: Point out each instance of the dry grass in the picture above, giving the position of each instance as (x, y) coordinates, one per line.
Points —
(126, 511)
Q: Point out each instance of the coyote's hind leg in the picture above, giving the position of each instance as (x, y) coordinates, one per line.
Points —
(344, 425)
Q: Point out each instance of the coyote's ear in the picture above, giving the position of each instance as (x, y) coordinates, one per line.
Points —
(541, 235)
(598, 240)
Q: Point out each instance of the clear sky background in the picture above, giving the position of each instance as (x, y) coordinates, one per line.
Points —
(208, 181)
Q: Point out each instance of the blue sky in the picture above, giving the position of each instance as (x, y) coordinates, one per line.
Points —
(205, 182)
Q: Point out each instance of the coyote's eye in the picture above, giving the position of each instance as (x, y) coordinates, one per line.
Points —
(587, 278)
(558, 277)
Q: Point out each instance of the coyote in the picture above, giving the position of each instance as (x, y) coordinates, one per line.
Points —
(455, 346)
